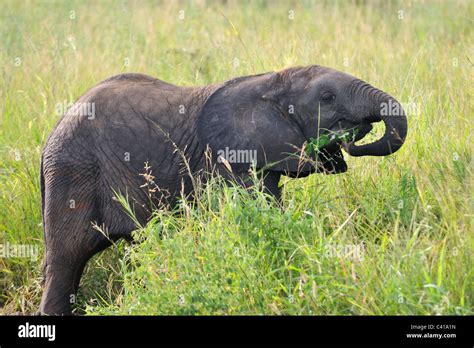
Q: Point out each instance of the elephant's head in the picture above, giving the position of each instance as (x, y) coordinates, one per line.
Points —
(270, 119)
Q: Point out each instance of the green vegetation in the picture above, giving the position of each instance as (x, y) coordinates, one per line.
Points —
(391, 236)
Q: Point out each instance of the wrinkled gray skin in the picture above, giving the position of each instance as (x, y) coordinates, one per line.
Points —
(140, 119)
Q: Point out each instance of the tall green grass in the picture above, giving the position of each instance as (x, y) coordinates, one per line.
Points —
(391, 236)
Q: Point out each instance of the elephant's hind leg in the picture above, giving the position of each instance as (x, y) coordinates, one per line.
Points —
(70, 239)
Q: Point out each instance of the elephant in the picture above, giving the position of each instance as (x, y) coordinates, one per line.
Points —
(143, 129)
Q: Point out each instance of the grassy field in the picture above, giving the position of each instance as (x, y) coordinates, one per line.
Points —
(393, 235)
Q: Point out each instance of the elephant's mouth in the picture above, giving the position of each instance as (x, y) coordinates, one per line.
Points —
(360, 132)
(329, 159)
(347, 131)
(357, 133)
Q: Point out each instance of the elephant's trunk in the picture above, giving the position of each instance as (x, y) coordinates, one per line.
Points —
(382, 107)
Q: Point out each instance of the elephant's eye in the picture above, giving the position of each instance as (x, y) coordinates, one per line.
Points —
(328, 97)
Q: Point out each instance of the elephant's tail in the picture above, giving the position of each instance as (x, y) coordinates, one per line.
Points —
(42, 203)
(42, 189)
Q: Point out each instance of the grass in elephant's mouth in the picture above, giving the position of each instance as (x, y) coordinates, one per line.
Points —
(315, 145)
(391, 236)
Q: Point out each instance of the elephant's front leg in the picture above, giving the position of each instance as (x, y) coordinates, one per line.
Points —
(270, 183)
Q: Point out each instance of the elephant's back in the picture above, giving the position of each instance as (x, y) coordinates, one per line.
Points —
(129, 79)
(127, 102)
(124, 121)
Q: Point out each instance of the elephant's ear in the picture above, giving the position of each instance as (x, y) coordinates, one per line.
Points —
(245, 122)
